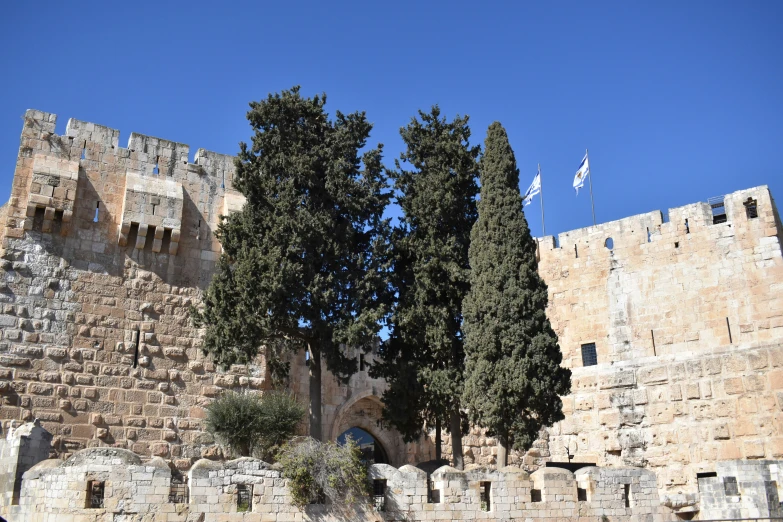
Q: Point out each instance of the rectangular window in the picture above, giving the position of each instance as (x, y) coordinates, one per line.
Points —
(627, 495)
(535, 495)
(178, 491)
(730, 486)
(433, 495)
(485, 489)
(95, 489)
(751, 209)
(706, 474)
(581, 495)
(244, 498)
(589, 357)
(718, 210)
(379, 494)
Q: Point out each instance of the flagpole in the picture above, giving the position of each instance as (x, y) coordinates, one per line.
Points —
(590, 174)
(541, 188)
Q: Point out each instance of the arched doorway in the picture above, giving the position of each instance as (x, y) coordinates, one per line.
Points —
(372, 450)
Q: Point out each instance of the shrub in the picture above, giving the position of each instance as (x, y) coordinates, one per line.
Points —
(324, 470)
(249, 423)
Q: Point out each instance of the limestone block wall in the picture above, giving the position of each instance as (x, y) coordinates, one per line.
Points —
(130, 490)
(665, 287)
(742, 489)
(96, 340)
(22, 448)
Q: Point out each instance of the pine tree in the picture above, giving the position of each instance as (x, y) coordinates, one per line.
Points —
(423, 360)
(301, 263)
(513, 373)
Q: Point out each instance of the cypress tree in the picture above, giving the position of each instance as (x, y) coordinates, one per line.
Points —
(513, 373)
(302, 261)
(423, 360)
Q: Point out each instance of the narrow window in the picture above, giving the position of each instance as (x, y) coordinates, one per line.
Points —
(38, 219)
(136, 341)
(244, 496)
(84, 149)
(198, 230)
(576, 252)
(718, 210)
(484, 493)
(156, 170)
(433, 495)
(676, 244)
(665, 217)
(687, 227)
(557, 241)
(307, 357)
(589, 357)
(627, 495)
(178, 491)
(97, 212)
(609, 243)
(95, 490)
(361, 362)
(581, 495)
(730, 486)
(751, 210)
(728, 327)
(652, 336)
(379, 494)
(649, 237)
(535, 495)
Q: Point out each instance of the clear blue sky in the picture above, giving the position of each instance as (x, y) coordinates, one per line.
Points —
(677, 101)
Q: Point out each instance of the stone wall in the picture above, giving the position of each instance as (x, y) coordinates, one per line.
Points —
(100, 484)
(104, 251)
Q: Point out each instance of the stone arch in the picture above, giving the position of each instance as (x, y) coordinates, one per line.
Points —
(364, 411)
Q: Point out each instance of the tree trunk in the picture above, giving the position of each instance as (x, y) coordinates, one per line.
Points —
(438, 444)
(315, 393)
(502, 451)
(456, 438)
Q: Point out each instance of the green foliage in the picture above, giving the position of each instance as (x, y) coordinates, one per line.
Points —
(250, 423)
(316, 468)
(303, 261)
(423, 360)
(513, 375)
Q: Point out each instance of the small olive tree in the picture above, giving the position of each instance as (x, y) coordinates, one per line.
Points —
(254, 424)
(324, 470)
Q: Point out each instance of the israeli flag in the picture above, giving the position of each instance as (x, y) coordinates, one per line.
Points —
(581, 174)
(534, 189)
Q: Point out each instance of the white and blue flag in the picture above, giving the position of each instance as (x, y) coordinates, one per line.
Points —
(581, 174)
(534, 189)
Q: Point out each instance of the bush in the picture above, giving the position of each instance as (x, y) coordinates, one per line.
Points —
(324, 470)
(249, 423)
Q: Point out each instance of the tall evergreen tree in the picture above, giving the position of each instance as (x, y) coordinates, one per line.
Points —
(513, 373)
(424, 360)
(301, 263)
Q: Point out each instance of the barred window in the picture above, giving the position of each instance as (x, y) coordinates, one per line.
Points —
(751, 209)
(95, 490)
(178, 491)
(379, 494)
(244, 498)
(589, 357)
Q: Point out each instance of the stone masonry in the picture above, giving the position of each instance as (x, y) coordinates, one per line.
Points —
(105, 249)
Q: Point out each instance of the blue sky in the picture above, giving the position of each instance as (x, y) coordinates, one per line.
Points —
(677, 101)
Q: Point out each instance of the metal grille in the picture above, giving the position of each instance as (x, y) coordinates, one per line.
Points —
(379, 494)
(718, 210)
(244, 494)
(95, 489)
(589, 357)
(178, 492)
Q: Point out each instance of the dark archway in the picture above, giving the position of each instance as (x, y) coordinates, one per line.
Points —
(372, 450)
